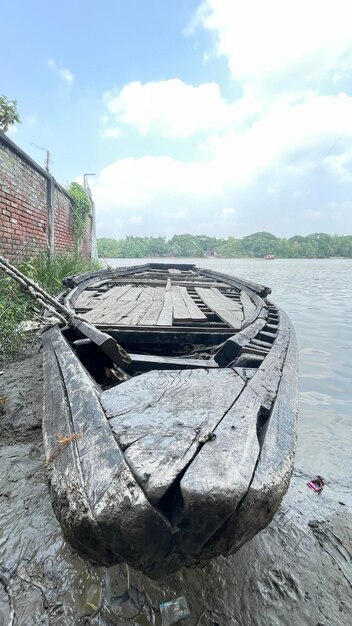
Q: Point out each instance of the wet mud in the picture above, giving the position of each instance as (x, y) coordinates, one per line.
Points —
(297, 571)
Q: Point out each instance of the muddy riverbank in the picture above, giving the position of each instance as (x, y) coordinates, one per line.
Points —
(297, 571)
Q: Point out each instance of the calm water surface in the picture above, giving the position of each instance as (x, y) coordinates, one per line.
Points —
(316, 293)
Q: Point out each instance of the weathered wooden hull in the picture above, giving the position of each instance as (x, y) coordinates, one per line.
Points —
(187, 453)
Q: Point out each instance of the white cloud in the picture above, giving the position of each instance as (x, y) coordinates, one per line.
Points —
(268, 45)
(138, 182)
(287, 61)
(300, 136)
(63, 72)
(170, 108)
(293, 139)
(66, 75)
(228, 213)
(111, 132)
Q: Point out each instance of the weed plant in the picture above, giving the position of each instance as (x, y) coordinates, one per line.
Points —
(17, 307)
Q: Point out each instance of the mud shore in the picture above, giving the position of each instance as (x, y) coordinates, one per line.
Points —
(297, 571)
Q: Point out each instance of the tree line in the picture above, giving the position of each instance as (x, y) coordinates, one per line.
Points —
(257, 245)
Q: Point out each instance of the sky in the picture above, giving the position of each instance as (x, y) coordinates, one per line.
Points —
(215, 117)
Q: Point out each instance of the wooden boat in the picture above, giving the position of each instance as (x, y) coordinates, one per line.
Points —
(177, 444)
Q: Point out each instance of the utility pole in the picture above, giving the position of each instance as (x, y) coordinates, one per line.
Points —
(48, 155)
(93, 236)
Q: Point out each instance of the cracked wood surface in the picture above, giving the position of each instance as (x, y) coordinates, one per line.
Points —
(161, 418)
(98, 502)
(236, 471)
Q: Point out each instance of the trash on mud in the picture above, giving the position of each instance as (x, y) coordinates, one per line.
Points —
(317, 484)
(173, 611)
(28, 326)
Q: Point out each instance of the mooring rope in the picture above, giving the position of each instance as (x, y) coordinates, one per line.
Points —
(63, 314)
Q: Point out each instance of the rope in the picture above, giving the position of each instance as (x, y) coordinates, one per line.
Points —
(38, 294)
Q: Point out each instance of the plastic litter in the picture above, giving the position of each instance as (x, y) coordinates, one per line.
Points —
(173, 611)
(317, 484)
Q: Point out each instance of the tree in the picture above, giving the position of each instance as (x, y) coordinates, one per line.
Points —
(8, 113)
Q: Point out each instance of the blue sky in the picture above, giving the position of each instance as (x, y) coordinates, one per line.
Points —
(218, 117)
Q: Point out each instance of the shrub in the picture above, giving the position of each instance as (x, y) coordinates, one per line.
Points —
(17, 306)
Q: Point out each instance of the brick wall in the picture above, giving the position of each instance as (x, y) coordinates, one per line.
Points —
(24, 214)
(63, 234)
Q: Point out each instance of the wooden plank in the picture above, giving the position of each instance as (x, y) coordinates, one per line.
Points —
(275, 464)
(147, 280)
(94, 486)
(222, 471)
(97, 299)
(107, 301)
(98, 285)
(179, 308)
(226, 309)
(145, 299)
(146, 362)
(84, 299)
(104, 342)
(228, 351)
(248, 305)
(161, 419)
(165, 317)
(121, 308)
(151, 317)
(220, 475)
(240, 283)
(194, 310)
(67, 483)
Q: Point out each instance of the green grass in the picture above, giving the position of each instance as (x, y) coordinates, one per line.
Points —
(16, 306)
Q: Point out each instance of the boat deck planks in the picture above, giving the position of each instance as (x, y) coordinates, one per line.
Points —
(226, 309)
(159, 422)
(100, 305)
(194, 310)
(165, 318)
(127, 301)
(179, 308)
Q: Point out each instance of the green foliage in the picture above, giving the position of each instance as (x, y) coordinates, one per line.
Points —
(16, 306)
(257, 245)
(8, 113)
(81, 208)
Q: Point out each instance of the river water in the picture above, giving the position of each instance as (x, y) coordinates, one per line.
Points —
(298, 570)
(316, 294)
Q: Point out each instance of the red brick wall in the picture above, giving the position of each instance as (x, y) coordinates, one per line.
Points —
(63, 223)
(24, 211)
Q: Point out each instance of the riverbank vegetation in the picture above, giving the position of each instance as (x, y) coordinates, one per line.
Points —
(16, 307)
(257, 245)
